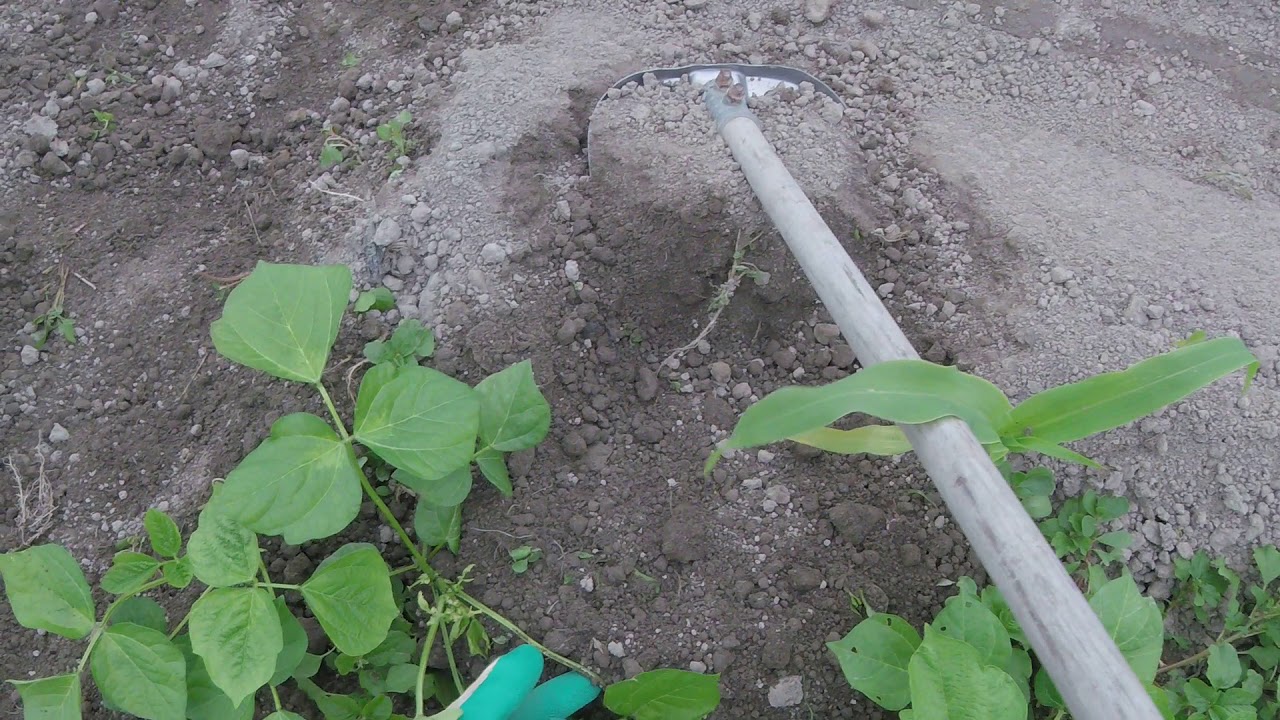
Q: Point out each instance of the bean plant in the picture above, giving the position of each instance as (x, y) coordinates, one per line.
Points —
(415, 431)
(972, 660)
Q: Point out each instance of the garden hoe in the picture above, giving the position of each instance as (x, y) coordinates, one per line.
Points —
(1070, 641)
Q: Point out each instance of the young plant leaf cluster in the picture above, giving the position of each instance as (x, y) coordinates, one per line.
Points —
(416, 427)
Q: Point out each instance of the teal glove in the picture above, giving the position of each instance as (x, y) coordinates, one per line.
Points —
(508, 690)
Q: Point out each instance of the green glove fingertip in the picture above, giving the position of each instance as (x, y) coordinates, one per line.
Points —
(557, 699)
(502, 687)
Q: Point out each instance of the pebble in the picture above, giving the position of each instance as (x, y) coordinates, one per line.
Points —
(789, 692)
(616, 649)
(874, 18)
(388, 232)
(720, 371)
(1060, 275)
(571, 270)
(817, 11)
(420, 213)
(30, 356)
(741, 391)
(1142, 107)
(697, 666)
(240, 158)
(493, 253)
(214, 60)
(58, 434)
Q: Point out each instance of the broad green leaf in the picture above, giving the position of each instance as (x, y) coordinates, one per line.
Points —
(162, 531)
(140, 611)
(1116, 539)
(900, 391)
(47, 591)
(204, 700)
(330, 155)
(874, 657)
(309, 666)
(1110, 400)
(371, 384)
(51, 698)
(1162, 699)
(295, 644)
(422, 421)
(379, 298)
(965, 618)
(1134, 622)
(449, 490)
(1267, 558)
(301, 423)
(493, 466)
(283, 319)
(401, 678)
(664, 695)
(882, 440)
(236, 631)
(949, 681)
(1224, 669)
(284, 715)
(350, 595)
(178, 573)
(223, 552)
(129, 571)
(513, 413)
(435, 525)
(332, 706)
(1018, 667)
(397, 647)
(379, 708)
(140, 672)
(302, 487)
(1046, 693)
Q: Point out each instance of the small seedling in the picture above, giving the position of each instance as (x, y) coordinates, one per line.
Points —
(412, 341)
(739, 269)
(350, 60)
(334, 150)
(379, 298)
(393, 132)
(54, 320)
(105, 121)
(522, 557)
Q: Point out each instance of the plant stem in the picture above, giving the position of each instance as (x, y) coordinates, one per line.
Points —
(278, 586)
(183, 622)
(494, 616)
(275, 697)
(432, 628)
(333, 412)
(102, 625)
(453, 664)
(418, 558)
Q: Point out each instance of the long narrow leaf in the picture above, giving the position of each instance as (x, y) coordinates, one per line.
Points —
(1110, 400)
(900, 391)
(871, 440)
(1035, 444)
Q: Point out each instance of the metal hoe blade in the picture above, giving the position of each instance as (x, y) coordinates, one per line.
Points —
(756, 79)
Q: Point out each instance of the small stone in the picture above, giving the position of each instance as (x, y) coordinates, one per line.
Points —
(571, 270)
(779, 494)
(697, 666)
(493, 253)
(804, 579)
(765, 456)
(646, 384)
(95, 86)
(574, 445)
(1144, 108)
(587, 583)
(41, 127)
(720, 371)
(817, 11)
(826, 333)
(1060, 275)
(856, 522)
(789, 692)
(388, 232)
(30, 356)
(631, 667)
(453, 19)
(53, 164)
(873, 18)
(420, 213)
(741, 391)
(214, 60)
(58, 434)
(616, 649)
(240, 158)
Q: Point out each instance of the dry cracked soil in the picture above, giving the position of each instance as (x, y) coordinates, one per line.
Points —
(1038, 190)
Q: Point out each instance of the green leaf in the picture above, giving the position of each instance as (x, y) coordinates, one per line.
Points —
(309, 666)
(1018, 667)
(283, 319)
(140, 672)
(884, 440)
(333, 707)
(51, 698)
(1116, 539)
(1224, 669)
(1267, 558)
(422, 421)
(435, 525)
(1053, 450)
(284, 715)
(129, 571)
(966, 619)
(1046, 693)
(222, 551)
(236, 631)
(513, 413)
(379, 298)
(1134, 622)
(397, 647)
(350, 595)
(302, 487)
(178, 573)
(47, 591)
(204, 700)
(330, 155)
(1103, 402)
(493, 466)
(294, 647)
(401, 678)
(874, 657)
(949, 680)
(301, 423)
(140, 611)
(447, 491)
(378, 708)
(162, 531)
(900, 391)
(664, 695)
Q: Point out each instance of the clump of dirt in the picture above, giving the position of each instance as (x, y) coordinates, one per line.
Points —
(675, 215)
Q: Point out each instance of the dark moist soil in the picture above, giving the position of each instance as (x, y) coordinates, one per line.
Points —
(746, 573)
